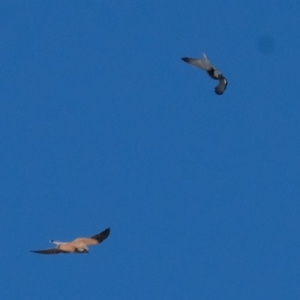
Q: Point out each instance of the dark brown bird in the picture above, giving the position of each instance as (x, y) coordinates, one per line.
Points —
(213, 72)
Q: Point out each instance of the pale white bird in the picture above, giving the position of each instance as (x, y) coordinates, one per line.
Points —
(79, 245)
(213, 72)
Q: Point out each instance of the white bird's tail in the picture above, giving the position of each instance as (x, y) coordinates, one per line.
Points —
(57, 242)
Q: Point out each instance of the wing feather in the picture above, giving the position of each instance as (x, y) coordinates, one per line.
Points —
(202, 63)
(95, 239)
(50, 251)
(221, 87)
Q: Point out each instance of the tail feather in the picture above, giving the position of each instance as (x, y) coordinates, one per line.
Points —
(56, 242)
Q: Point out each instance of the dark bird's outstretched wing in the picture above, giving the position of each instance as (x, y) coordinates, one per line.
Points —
(50, 251)
(221, 87)
(202, 63)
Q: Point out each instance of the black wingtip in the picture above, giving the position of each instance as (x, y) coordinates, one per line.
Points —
(100, 237)
(185, 59)
(106, 232)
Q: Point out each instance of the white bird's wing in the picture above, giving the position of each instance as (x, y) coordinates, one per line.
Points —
(50, 251)
(94, 240)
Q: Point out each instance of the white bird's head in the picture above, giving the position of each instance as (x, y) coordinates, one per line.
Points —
(82, 250)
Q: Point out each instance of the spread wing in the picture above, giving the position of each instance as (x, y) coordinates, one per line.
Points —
(50, 251)
(96, 239)
(221, 87)
(202, 63)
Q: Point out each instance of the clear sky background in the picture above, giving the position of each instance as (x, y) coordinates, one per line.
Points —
(103, 125)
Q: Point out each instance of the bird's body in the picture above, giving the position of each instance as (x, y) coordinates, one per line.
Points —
(213, 72)
(79, 245)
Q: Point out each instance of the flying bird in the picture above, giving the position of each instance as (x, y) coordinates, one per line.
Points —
(213, 72)
(79, 245)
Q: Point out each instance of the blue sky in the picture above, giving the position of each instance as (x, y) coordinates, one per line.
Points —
(102, 125)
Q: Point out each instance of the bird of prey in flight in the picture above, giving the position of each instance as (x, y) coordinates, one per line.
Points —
(79, 245)
(213, 72)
